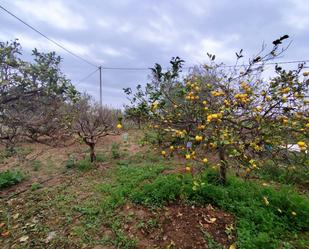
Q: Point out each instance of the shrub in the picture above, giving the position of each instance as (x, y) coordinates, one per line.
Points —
(9, 178)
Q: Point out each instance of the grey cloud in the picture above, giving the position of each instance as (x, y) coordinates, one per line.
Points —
(131, 33)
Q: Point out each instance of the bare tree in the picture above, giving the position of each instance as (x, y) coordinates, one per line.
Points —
(92, 122)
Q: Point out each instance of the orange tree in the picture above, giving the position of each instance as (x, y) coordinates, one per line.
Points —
(231, 112)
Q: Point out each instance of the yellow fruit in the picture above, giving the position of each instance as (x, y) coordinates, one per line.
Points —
(163, 153)
(119, 126)
(266, 201)
(201, 127)
(205, 160)
(285, 90)
(172, 147)
(155, 105)
(294, 213)
(226, 102)
(301, 144)
(198, 138)
(204, 102)
(188, 169)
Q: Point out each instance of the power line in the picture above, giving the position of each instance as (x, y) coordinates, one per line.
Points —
(124, 68)
(86, 77)
(51, 40)
(231, 66)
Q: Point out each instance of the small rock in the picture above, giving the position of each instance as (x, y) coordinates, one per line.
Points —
(23, 238)
(50, 237)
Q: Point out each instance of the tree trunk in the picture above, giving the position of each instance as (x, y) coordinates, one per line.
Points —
(223, 165)
(92, 153)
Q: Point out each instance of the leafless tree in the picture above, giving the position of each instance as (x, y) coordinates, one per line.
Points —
(92, 122)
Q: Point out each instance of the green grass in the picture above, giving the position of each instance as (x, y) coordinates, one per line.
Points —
(295, 171)
(9, 178)
(84, 164)
(139, 179)
(258, 225)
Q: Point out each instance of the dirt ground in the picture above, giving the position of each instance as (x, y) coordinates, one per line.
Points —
(178, 226)
(41, 216)
(45, 164)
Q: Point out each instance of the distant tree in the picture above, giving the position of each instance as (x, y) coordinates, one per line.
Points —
(91, 122)
(137, 114)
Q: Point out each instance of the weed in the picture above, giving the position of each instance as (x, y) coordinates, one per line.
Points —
(100, 158)
(82, 165)
(35, 186)
(211, 243)
(4, 154)
(121, 240)
(71, 162)
(9, 178)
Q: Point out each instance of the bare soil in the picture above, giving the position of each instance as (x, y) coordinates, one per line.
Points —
(178, 226)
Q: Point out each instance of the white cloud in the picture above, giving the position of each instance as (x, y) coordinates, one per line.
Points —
(53, 12)
(30, 42)
(105, 22)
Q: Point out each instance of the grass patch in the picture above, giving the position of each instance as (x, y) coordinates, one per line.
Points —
(294, 171)
(260, 223)
(9, 178)
(274, 223)
(84, 164)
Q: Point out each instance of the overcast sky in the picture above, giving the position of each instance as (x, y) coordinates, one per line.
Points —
(132, 33)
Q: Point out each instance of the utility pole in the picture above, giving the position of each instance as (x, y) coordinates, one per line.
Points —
(101, 103)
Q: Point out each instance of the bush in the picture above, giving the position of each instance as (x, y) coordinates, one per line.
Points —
(9, 178)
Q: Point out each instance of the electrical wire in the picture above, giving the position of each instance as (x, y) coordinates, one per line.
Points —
(46, 37)
(85, 78)
(127, 68)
